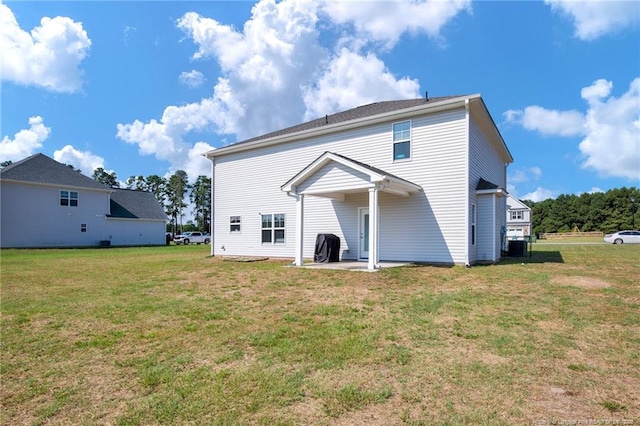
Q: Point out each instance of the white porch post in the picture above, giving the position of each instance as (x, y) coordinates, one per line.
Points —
(299, 229)
(373, 229)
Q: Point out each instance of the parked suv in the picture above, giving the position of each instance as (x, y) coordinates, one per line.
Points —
(192, 238)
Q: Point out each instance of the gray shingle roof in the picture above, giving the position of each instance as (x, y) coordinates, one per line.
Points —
(41, 169)
(351, 114)
(131, 204)
(485, 184)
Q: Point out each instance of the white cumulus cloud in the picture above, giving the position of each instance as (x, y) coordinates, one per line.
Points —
(350, 80)
(540, 194)
(49, 56)
(386, 21)
(25, 142)
(594, 19)
(192, 78)
(612, 143)
(83, 160)
(276, 73)
(165, 138)
(265, 64)
(610, 128)
(546, 121)
(525, 175)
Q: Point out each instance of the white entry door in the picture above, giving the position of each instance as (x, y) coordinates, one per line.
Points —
(364, 234)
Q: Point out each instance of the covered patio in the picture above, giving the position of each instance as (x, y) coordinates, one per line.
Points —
(333, 176)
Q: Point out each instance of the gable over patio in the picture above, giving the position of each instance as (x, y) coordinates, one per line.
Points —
(332, 175)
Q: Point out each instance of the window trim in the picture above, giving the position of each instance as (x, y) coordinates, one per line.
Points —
(272, 228)
(68, 197)
(401, 141)
(233, 224)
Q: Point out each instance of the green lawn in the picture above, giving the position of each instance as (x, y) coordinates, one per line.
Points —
(168, 335)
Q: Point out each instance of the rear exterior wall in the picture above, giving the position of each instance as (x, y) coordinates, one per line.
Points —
(427, 226)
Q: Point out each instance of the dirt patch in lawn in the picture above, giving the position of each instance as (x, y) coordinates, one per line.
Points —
(580, 281)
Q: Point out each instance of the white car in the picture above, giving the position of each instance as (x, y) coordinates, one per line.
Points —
(192, 238)
(626, 237)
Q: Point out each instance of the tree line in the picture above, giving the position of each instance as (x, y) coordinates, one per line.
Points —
(614, 210)
(171, 194)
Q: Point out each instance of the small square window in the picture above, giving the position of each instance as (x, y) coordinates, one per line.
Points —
(234, 223)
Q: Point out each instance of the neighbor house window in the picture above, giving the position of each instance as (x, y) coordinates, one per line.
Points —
(69, 198)
(473, 224)
(516, 215)
(273, 228)
(234, 223)
(402, 140)
(83, 227)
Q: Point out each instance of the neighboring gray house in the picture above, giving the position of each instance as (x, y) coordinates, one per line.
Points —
(44, 203)
(413, 180)
(518, 219)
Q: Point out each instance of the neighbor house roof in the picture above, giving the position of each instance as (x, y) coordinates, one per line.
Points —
(515, 204)
(41, 169)
(132, 204)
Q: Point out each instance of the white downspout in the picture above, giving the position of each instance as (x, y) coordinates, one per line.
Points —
(299, 259)
(213, 203)
(466, 192)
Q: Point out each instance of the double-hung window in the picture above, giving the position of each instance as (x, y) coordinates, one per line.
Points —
(234, 223)
(69, 198)
(402, 141)
(273, 228)
(516, 215)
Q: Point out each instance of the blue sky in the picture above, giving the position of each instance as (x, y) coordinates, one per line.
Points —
(144, 88)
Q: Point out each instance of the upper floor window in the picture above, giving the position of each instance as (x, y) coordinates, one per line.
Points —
(69, 198)
(402, 140)
(516, 215)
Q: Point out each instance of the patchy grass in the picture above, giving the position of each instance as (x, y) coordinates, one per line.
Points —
(168, 335)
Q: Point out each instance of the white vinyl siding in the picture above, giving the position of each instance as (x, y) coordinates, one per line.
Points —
(484, 233)
(422, 227)
(333, 176)
(486, 164)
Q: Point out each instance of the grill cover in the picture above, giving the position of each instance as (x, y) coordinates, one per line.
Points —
(327, 248)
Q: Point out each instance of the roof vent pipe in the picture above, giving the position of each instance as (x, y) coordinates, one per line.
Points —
(326, 119)
(426, 96)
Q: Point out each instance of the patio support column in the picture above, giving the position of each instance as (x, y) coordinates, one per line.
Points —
(299, 260)
(373, 229)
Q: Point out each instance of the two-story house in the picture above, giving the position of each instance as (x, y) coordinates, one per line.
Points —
(518, 219)
(418, 180)
(44, 203)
